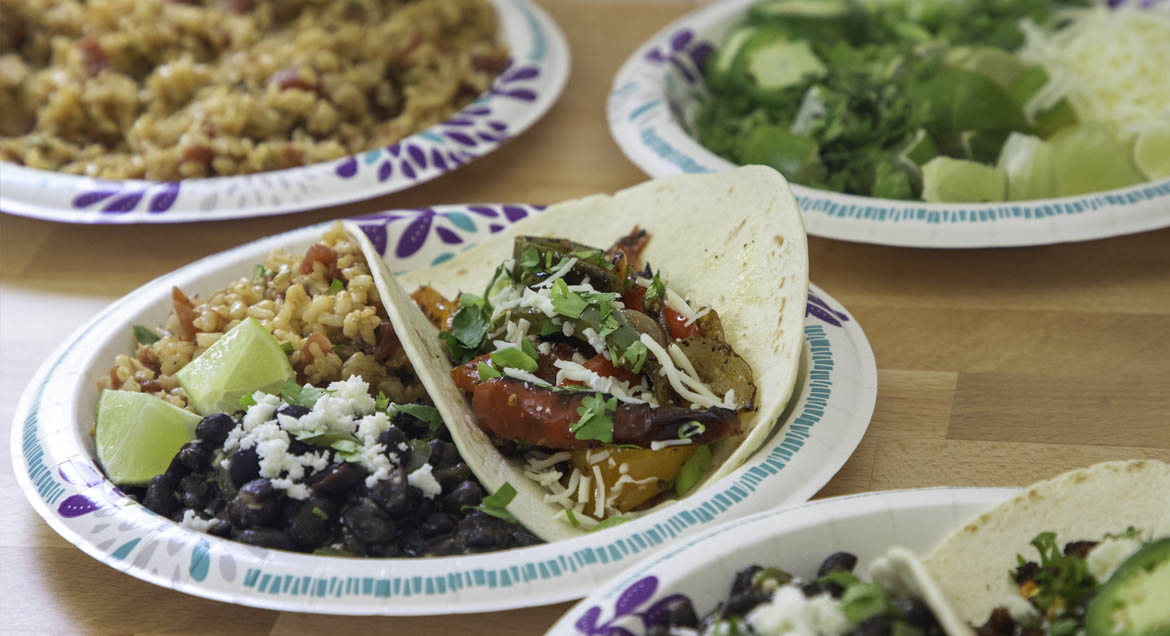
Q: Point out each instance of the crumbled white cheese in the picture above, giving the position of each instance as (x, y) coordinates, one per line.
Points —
(192, 520)
(422, 479)
(791, 613)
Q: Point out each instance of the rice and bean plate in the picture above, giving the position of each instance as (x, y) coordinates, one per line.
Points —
(339, 452)
(166, 90)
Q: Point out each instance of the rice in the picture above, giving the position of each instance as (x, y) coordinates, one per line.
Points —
(333, 334)
(169, 90)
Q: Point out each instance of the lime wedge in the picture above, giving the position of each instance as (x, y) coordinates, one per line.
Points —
(1001, 67)
(1027, 161)
(947, 180)
(794, 156)
(1151, 152)
(1089, 157)
(244, 360)
(920, 149)
(138, 435)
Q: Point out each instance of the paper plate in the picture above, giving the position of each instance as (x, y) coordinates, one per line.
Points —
(654, 97)
(538, 70)
(795, 539)
(53, 458)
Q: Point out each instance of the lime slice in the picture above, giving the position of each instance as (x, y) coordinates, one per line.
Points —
(1002, 67)
(1089, 157)
(1027, 161)
(794, 156)
(244, 360)
(947, 180)
(138, 435)
(1151, 152)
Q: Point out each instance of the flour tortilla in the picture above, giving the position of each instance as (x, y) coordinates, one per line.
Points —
(972, 565)
(734, 241)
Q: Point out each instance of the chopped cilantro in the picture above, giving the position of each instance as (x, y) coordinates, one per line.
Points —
(145, 335)
(259, 272)
(420, 453)
(529, 259)
(347, 449)
(593, 257)
(514, 358)
(335, 287)
(609, 523)
(487, 371)
(1063, 580)
(565, 302)
(381, 403)
(298, 395)
(1130, 533)
(596, 419)
(496, 504)
(428, 414)
(863, 600)
(572, 518)
(656, 288)
(469, 327)
(247, 400)
(321, 514)
(634, 356)
(286, 347)
(548, 327)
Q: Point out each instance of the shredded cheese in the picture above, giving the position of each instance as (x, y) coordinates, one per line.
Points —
(560, 272)
(1110, 63)
(569, 370)
(701, 395)
(524, 375)
(599, 503)
(667, 443)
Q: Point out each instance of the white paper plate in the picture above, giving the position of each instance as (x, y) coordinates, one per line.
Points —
(653, 99)
(516, 100)
(53, 458)
(795, 539)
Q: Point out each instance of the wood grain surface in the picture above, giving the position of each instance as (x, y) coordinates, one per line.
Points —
(996, 367)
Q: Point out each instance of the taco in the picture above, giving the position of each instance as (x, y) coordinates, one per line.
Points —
(1087, 552)
(668, 398)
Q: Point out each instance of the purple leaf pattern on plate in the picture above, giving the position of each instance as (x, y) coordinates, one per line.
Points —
(447, 236)
(627, 604)
(411, 229)
(163, 201)
(76, 505)
(347, 168)
(686, 53)
(634, 595)
(80, 473)
(86, 199)
(821, 310)
(415, 234)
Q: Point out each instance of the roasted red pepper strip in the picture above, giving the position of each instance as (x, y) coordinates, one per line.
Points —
(517, 410)
(677, 323)
(606, 369)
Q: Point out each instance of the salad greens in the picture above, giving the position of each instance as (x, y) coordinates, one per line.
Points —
(858, 97)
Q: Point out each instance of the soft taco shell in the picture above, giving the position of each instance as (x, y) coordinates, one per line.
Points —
(734, 241)
(972, 565)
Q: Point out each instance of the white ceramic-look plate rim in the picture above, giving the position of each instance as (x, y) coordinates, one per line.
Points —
(49, 410)
(677, 564)
(647, 130)
(537, 47)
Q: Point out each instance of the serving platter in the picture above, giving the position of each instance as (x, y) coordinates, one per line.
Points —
(795, 539)
(53, 458)
(519, 96)
(654, 96)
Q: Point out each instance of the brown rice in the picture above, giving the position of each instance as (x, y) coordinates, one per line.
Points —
(164, 90)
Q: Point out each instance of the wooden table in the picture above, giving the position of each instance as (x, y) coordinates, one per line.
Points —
(996, 367)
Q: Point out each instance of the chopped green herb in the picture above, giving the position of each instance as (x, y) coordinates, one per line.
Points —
(656, 289)
(247, 400)
(692, 470)
(335, 287)
(347, 449)
(529, 260)
(469, 327)
(596, 419)
(863, 600)
(609, 523)
(259, 272)
(496, 504)
(1063, 580)
(319, 513)
(593, 257)
(565, 302)
(305, 396)
(487, 371)
(514, 358)
(420, 453)
(691, 429)
(428, 414)
(145, 335)
(634, 356)
(548, 327)
(529, 349)
(1130, 533)
(572, 518)
(286, 347)
(381, 403)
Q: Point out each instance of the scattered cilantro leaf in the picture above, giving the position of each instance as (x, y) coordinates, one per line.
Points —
(247, 400)
(514, 358)
(145, 335)
(496, 503)
(596, 419)
(469, 327)
(286, 347)
(565, 302)
(529, 260)
(487, 371)
(259, 272)
(381, 403)
(428, 414)
(305, 396)
(347, 449)
(319, 513)
(634, 356)
(656, 289)
(335, 287)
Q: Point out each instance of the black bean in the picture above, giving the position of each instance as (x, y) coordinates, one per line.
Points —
(395, 496)
(468, 493)
(195, 456)
(254, 506)
(411, 425)
(220, 527)
(876, 625)
(175, 471)
(194, 491)
(311, 521)
(443, 454)
(812, 589)
(293, 410)
(479, 532)
(257, 491)
(451, 476)
(214, 429)
(336, 479)
(391, 438)
(837, 562)
(522, 537)
(368, 523)
(244, 466)
(267, 538)
(160, 498)
(436, 524)
(916, 613)
(743, 579)
(680, 613)
(741, 603)
(1000, 623)
(298, 448)
(413, 545)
